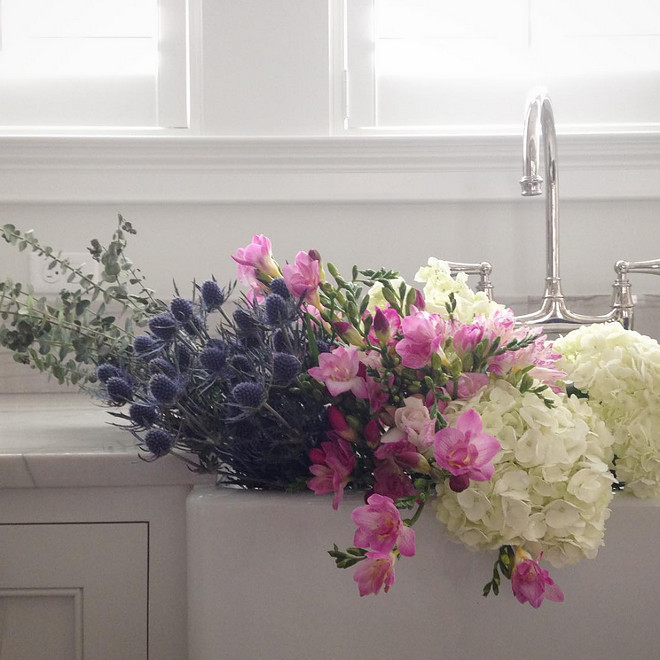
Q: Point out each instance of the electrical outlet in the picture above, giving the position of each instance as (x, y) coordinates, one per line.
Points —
(46, 280)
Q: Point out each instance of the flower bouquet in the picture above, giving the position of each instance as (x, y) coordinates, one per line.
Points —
(415, 396)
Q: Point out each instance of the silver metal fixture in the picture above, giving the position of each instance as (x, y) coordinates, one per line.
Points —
(553, 314)
(483, 270)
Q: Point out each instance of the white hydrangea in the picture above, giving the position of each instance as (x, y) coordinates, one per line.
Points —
(439, 283)
(552, 486)
(620, 370)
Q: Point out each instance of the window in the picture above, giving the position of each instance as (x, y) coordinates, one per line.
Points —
(93, 63)
(468, 67)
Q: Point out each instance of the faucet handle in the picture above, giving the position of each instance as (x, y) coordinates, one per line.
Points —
(482, 269)
(650, 267)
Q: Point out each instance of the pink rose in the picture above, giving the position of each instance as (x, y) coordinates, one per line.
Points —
(414, 419)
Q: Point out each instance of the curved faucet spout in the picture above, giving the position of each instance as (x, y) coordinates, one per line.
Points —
(553, 314)
(540, 126)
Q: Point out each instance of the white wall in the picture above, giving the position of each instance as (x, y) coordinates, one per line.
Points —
(264, 70)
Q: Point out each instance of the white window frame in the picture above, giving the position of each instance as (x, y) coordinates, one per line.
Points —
(179, 51)
(353, 86)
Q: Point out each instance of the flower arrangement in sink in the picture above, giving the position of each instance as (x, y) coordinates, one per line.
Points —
(428, 396)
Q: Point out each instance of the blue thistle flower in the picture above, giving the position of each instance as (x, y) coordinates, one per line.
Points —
(119, 390)
(183, 357)
(244, 321)
(276, 309)
(163, 326)
(143, 344)
(162, 366)
(212, 295)
(323, 346)
(220, 344)
(107, 371)
(285, 368)
(182, 309)
(248, 394)
(143, 414)
(158, 442)
(280, 341)
(279, 287)
(241, 364)
(194, 325)
(213, 359)
(163, 389)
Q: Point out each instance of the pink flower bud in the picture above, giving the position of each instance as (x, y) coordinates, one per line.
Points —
(348, 333)
(340, 425)
(381, 326)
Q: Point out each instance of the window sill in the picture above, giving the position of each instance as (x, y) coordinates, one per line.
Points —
(192, 169)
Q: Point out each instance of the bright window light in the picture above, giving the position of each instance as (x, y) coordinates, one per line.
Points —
(93, 65)
(468, 66)
(422, 38)
(69, 38)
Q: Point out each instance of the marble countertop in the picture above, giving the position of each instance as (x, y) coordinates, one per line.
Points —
(66, 440)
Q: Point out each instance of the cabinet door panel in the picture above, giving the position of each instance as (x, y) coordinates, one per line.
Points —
(29, 617)
(85, 583)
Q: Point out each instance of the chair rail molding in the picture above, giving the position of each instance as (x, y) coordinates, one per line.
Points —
(193, 169)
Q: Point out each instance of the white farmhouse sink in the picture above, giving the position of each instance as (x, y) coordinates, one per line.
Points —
(262, 586)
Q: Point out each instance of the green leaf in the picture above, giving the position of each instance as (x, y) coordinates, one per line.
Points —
(82, 306)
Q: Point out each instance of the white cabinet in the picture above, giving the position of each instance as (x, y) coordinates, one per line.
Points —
(92, 539)
(74, 591)
(93, 573)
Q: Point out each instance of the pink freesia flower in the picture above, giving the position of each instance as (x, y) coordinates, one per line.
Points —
(423, 334)
(257, 258)
(391, 480)
(469, 384)
(465, 451)
(531, 583)
(396, 446)
(419, 303)
(377, 396)
(466, 337)
(372, 433)
(380, 528)
(539, 353)
(332, 465)
(303, 277)
(338, 370)
(375, 572)
(502, 324)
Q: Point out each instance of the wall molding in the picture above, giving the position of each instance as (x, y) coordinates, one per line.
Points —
(152, 169)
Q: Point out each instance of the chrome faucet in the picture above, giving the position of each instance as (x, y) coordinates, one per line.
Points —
(553, 314)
